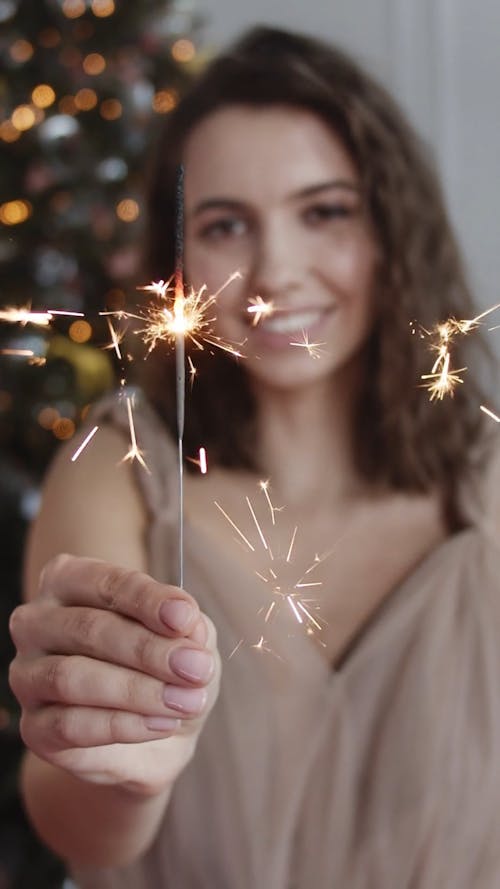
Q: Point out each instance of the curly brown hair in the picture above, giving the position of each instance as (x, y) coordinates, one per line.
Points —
(400, 439)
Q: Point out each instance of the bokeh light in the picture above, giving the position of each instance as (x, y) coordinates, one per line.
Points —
(23, 117)
(15, 212)
(127, 210)
(94, 63)
(73, 9)
(47, 416)
(111, 109)
(80, 331)
(102, 8)
(164, 101)
(63, 428)
(43, 96)
(67, 105)
(21, 50)
(183, 50)
(8, 131)
(86, 99)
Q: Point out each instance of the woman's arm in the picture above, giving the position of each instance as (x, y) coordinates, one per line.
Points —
(96, 662)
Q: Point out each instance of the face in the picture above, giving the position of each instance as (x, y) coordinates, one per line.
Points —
(273, 194)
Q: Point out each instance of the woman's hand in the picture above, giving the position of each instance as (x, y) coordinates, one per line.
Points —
(115, 674)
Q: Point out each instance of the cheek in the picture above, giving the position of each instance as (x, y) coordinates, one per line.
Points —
(210, 268)
(350, 268)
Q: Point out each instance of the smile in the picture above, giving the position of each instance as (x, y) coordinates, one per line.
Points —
(290, 322)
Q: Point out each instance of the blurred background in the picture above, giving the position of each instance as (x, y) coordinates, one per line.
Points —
(83, 86)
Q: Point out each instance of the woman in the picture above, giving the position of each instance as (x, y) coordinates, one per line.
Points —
(357, 747)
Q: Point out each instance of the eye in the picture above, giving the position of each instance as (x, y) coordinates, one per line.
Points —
(326, 212)
(226, 227)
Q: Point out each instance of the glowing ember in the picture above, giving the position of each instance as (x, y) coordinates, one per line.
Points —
(259, 309)
(442, 380)
(277, 572)
(84, 444)
(313, 349)
(134, 453)
(26, 316)
(175, 313)
(489, 413)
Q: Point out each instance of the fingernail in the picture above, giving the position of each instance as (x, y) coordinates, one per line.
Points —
(187, 700)
(192, 664)
(177, 614)
(162, 723)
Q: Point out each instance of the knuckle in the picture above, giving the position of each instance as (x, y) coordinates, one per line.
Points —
(26, 730)
(85, 626)
(115, 726)
(64, 729)
(110, 585)
(15, 679)
(143, 650)
(58, 678)
(134, 691)
(52, 569)
(17, 623)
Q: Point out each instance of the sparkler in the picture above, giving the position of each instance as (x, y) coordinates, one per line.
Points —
(278, 574)
(180, 361)
(164, 323)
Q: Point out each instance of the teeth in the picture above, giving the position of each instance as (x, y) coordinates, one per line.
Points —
(290, 322)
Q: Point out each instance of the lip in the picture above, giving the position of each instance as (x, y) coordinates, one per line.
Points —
(272, 339)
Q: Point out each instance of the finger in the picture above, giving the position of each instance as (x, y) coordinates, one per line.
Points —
(80, 581)
(86, 682)
(54, 728)
(110, 637)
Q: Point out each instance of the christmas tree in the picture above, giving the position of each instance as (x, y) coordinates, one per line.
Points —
(83, 85)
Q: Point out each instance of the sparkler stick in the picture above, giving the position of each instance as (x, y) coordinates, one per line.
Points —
(180, 360)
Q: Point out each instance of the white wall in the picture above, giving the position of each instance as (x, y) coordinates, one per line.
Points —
(442, 60)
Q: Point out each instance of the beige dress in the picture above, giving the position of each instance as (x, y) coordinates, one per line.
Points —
(381, 774)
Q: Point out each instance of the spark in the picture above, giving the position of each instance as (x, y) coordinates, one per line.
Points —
(442, 380)
(25, 316)
(201, 461)
(313, 349)
(116, 339)
(175, 314)
(22, 353)
(259, 308)
(192, 370)
(84, 443)
(134, 453)
(264, 487)
(278, 573)
(489, 413)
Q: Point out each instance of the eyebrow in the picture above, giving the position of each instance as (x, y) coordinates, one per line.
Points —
(309, 191)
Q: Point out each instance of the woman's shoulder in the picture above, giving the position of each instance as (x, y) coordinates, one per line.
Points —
(480, 487)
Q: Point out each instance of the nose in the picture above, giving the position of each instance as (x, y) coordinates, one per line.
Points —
(276, 263)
